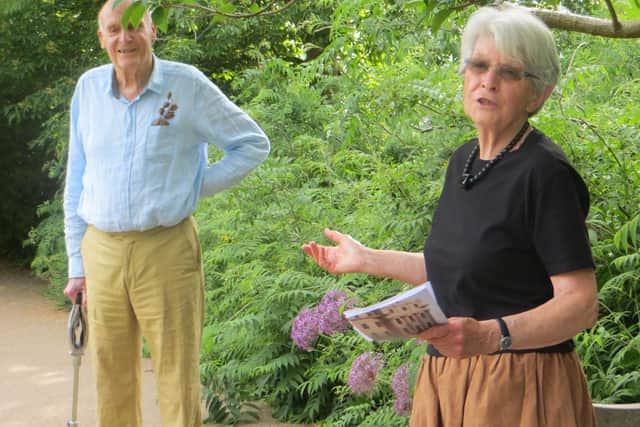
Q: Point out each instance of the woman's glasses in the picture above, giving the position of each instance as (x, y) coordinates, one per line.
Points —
(506, 72)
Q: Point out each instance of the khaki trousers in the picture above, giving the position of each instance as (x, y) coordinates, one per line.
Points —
(146, 283)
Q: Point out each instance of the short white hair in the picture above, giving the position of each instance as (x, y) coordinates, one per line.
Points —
(517, 34)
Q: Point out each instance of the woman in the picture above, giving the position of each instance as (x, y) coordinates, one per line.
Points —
(508, 253)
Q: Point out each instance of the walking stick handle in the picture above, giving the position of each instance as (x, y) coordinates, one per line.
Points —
(77, 327)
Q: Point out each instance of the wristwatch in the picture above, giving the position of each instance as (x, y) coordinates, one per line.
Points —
(505, 338)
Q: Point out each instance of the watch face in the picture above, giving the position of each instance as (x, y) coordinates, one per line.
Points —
(505, 343)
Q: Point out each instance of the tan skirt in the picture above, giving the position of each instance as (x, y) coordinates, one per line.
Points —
(502, 390)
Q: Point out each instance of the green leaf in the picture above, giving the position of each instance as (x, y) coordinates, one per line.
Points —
(225, 7)
(255, 8)
(218, 19)
(627, 237)
(418, 5)
(160, 17)
(428, 9)
(133, 14)
(625, 262)
(438, 19)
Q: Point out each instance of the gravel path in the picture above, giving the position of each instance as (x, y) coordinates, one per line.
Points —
(35, 366)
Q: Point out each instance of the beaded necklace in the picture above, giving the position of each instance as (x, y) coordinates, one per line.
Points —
(468, 180)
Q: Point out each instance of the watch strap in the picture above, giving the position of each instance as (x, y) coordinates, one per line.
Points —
(505, 339)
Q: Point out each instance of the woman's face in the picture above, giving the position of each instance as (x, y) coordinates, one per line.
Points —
(498, 93)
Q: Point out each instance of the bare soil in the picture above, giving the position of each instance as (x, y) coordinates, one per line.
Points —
(36, 374)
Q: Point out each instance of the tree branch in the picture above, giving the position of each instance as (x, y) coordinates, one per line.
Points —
(612, 12)
(587, 24)
(578, 23)
(463, 6)
(613, 28)
(268, 10)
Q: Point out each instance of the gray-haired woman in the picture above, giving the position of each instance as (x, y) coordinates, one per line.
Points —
(508, 253)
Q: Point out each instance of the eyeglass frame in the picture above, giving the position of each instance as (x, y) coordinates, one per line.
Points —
(504, 71)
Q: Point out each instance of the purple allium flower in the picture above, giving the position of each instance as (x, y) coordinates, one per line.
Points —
(304, 329)
(331, 320)
(400, 386)
(364, 370)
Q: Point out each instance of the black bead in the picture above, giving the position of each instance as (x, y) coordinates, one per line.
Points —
(468, 179)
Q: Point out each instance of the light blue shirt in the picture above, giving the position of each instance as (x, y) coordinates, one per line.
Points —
(135, 165)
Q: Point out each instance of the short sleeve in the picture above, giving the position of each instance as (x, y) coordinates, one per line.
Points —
(559, 209)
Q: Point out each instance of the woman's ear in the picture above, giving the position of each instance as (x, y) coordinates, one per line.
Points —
(538, 99)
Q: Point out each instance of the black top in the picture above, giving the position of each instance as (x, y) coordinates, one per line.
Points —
(493, 247)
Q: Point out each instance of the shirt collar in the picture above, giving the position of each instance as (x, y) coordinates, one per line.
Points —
(155, 79)
(154, 84)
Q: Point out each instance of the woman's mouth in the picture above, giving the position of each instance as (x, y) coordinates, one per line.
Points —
(485, 102)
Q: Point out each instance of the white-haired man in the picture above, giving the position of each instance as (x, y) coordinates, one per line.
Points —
(137, 166)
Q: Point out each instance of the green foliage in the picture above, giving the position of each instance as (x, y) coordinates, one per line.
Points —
(160, 17)
(228, 410)
(50, 260)
(611, 351)
(40, 60)
(133, 14)
(363, 108)
(12, 6)
(349, 152)
(239, 35)
(361, 137)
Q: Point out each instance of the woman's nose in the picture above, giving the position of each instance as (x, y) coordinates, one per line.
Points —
(490, 78)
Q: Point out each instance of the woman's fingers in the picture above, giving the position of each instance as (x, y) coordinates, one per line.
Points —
(321, 255)
(331, 258)
(316, 252)
(310, 249)
(435, 332)
(334, 236)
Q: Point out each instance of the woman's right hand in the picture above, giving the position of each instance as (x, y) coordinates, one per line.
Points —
(75, 285)
(348, 256)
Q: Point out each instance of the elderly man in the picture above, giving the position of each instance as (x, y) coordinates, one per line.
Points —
(137, 166)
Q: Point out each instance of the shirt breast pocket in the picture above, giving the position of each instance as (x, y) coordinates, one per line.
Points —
(161, 143)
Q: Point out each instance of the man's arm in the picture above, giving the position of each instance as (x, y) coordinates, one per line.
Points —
(74, 226)
(225, 125)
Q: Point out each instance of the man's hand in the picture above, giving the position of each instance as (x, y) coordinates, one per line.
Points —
(75, 285)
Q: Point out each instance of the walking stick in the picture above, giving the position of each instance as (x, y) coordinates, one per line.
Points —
(78, 332)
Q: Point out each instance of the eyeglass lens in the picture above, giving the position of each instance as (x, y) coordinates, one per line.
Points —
(506, 72)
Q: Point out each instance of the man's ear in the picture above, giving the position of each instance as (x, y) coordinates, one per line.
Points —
(154, 32)
(99, 32)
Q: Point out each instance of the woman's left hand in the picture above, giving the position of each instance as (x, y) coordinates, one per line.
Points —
(464, 337)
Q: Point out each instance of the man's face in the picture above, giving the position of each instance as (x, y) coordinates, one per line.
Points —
(129, 49)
